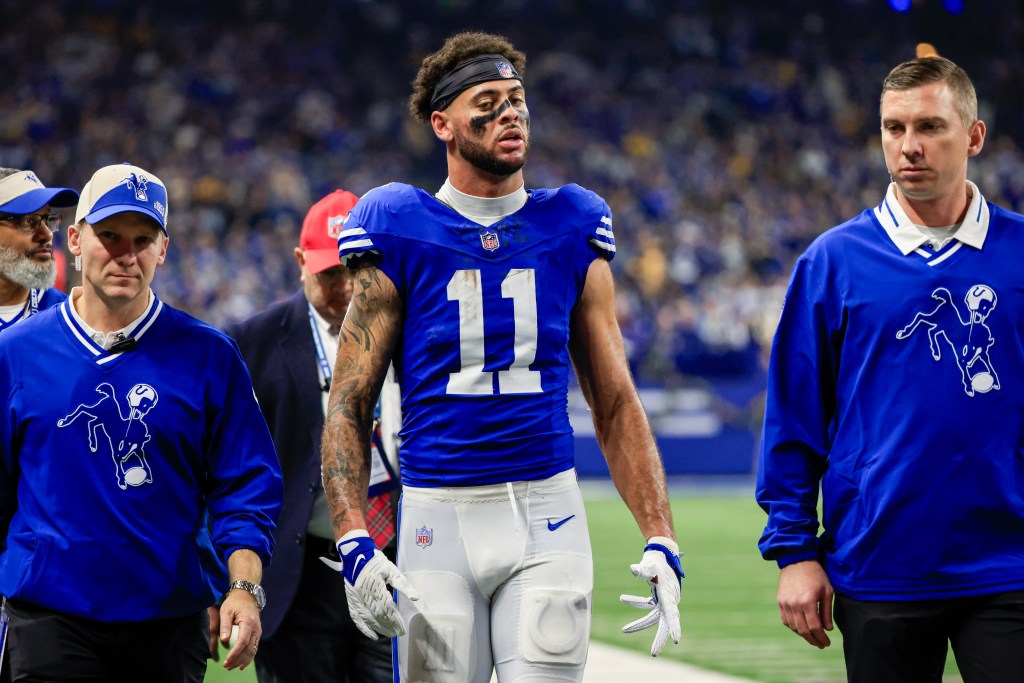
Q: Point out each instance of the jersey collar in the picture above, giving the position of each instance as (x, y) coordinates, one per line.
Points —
(908, 237)
(83, 333)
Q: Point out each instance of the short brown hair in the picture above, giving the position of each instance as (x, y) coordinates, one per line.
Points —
(925, 70)
(456, 50)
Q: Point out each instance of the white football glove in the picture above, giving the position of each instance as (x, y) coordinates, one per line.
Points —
(368, 572)
(661, 569)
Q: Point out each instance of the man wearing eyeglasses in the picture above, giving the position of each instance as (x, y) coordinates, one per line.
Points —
(27, 224)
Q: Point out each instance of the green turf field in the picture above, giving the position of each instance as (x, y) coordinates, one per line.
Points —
(729, 618)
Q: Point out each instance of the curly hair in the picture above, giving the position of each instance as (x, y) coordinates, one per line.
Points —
(456, 50)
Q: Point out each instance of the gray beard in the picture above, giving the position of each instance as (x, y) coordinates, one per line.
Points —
(25, 272)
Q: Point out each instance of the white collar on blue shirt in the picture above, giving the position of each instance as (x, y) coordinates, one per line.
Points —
(107, 339)
(908, 237)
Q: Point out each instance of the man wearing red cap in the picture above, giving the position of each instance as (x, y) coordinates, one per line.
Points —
(290, 348)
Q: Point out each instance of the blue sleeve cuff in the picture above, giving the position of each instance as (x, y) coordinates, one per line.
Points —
(262, 553)
(797, 557)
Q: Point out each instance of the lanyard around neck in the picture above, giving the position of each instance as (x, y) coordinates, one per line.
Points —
(321, 354)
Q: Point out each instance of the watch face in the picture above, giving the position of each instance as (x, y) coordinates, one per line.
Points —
(254, 590)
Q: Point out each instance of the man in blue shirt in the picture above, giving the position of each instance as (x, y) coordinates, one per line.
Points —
(138, 480)
(892, 386)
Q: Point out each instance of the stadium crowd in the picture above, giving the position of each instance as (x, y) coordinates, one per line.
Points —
(725, 136)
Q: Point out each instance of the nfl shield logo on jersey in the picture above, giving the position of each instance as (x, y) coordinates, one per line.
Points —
(504, 68)
(424, 536)
(489, 240)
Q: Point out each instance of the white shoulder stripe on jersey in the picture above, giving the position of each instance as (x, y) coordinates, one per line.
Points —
(357, 244)
(606, 220)
(603, 232)
(350, 232)
(602, 245)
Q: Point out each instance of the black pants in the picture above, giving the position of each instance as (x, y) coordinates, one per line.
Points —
(317, 641)
(52, 646)
(905, 642)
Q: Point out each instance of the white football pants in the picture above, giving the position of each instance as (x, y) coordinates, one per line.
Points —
(505, 576)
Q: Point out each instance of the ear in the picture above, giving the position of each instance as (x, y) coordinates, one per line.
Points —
(300, 258)
(976, 138)
(75, 239)
(441, 124)
(163, 250)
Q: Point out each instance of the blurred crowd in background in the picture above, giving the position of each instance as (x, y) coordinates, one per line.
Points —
(724, 135)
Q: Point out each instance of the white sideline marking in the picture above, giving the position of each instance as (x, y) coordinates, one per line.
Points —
(609, 664)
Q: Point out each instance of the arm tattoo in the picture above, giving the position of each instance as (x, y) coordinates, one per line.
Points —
(365, 345)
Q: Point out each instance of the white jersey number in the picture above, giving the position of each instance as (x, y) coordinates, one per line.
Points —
(520, 285)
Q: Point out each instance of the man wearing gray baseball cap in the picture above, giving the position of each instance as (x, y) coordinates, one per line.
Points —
(27, 224)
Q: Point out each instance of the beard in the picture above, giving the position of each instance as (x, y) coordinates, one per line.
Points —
(477, 155)
(25, 272)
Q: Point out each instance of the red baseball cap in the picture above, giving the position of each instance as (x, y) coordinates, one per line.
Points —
(321, 229)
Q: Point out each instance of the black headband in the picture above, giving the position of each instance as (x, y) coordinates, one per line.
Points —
(479, 69)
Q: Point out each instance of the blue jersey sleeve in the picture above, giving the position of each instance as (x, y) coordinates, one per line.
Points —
(245, 476)
(798, 414)
(356, 243)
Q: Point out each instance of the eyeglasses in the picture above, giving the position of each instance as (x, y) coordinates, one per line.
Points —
(30, 222)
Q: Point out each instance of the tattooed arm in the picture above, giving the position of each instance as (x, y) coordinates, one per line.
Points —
(365, 345)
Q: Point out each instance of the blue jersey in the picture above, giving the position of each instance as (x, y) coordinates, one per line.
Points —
(893, 381)
(38, 300)
(127, 479)
(482, 360)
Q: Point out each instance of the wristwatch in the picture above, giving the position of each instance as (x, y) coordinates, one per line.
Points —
(253, 589)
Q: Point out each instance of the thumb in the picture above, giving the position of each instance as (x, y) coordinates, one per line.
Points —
(336, 566)
(642, 571)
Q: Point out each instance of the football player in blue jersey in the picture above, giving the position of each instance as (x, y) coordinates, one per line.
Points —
(27, 224)
(485, 295)
(138, 479)
(891, 386)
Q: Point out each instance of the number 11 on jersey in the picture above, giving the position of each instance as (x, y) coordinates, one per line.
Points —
(466, 287)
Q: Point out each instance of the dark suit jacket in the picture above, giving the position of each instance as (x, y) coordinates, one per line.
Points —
(277, 345)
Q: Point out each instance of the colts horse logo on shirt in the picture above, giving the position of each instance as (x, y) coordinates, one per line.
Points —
(490, 240)
(125, 432)
(968, 338)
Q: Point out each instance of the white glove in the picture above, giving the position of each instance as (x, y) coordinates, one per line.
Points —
(368, 572)
(661, 569)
